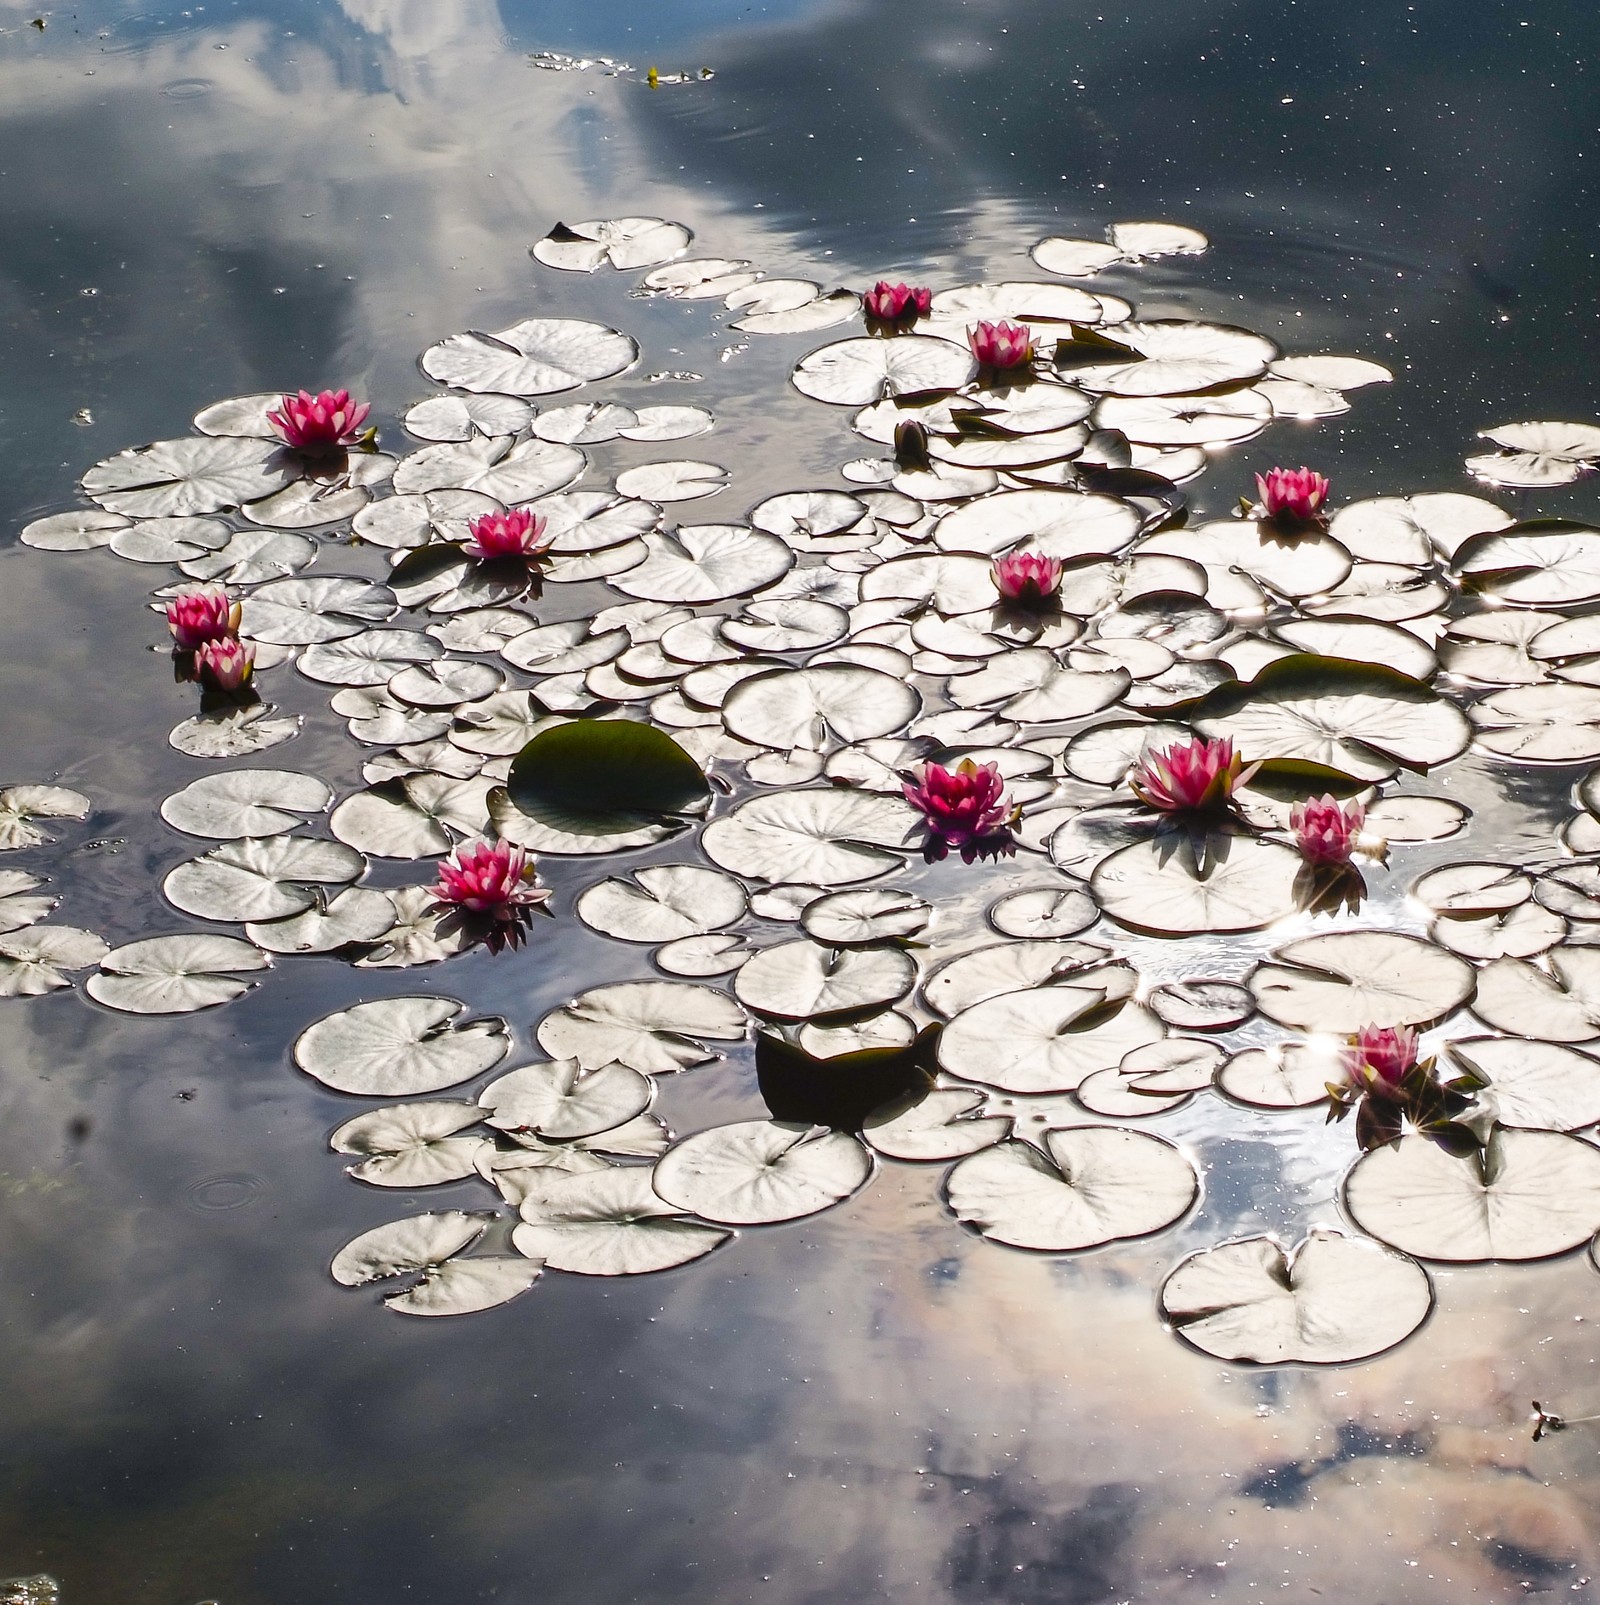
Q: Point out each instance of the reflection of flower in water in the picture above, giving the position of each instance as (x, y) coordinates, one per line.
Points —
(1325, 832)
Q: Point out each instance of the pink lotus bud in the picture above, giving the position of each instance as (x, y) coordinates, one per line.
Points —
(225, 664)
(513, 534)
(319, 423)
(492, 878)
(1380, 1058)
(1292, 495)
(1197, 777)
(1028, 579)
(962, 807)
(896, 303)
(1001, 345)
(201, 613)
(1325, 832)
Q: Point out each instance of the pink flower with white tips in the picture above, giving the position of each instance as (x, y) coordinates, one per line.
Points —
(1027, 579)
(201, 613)
(900, 304)
(319, 423)
(1292, 495)
(492, 878)
(1001, 345)
(1190, 777)
(1325, 831)
(225, 664)
(1380, 1058)
(517, 534)
(964, 807)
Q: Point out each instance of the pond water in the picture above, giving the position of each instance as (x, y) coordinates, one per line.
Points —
(869, 1402)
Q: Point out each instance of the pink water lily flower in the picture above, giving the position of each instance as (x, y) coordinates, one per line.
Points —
(964, 807)
(1325, 831)
(1190, 777)
(321, 422)
(493, 878)
(225, 664)
(1380, 1058)
(1028, 579)
(896, 303)
(518, 533)
(1292, 495)
(1001, 345)
(201, 613)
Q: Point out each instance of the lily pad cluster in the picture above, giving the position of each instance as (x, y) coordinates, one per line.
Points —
(717, 724)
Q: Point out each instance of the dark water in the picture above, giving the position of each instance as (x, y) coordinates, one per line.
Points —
(872, 1405)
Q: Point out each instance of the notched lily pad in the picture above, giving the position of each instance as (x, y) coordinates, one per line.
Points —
(1329, 1300)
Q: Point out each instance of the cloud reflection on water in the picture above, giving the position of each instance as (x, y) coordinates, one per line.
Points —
(195, 1410)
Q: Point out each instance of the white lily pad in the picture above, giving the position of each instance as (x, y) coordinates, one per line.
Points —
(467, 1286)
(937, 1124)
(536, 357)
(656, 1027)
(662, 903)
(1561, 1004)
(36, 959)
(400, 1047)
(559, 1101)
(825, 837)
(1241, 884)
(412, 1144)
(22, 806)
(815, 708)
(1044, 1040)
(702, 563)
(852, 373)
(1527, 1195)
(246, 802)
(1347, 980)
(756, 1172)
(1331, 1299)
(1287, 1075)
(804, 980)
(607, 1223)
(1092, 1185)
(175, 974)
(624, 242)
(260, 878)
(189, 477)
(234, 732)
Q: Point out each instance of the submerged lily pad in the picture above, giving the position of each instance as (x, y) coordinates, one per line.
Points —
(20, 806)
